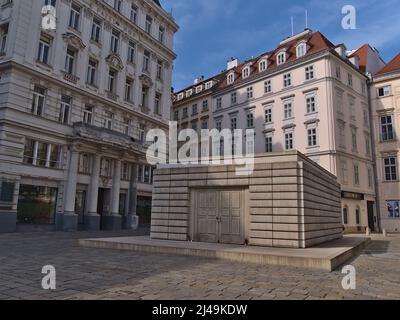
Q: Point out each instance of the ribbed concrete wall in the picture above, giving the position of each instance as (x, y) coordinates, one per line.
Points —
(290, 201)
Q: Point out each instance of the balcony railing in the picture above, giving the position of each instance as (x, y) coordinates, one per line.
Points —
(71, 78)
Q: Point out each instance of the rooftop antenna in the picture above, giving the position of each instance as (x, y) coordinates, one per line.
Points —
(306, 19)
(291, 20)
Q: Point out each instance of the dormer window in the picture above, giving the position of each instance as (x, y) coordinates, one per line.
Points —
(189, 93)
(246, 72)
(231, 78)
(281, 58)
(199, 88)
(301, 50)
(209, 85)
(262, 65)
(180, 96)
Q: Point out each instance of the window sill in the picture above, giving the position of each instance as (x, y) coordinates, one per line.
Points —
(44, 65)
(96, 43)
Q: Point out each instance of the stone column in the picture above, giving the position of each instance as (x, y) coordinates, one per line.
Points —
(131, 221)
(70, 218)
(114, 220)
(92, 218)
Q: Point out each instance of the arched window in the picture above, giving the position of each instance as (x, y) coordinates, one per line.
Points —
(246, 72)
(262, 65)
(231, 78)
(345, 215)
(301, 50)
(358, 216)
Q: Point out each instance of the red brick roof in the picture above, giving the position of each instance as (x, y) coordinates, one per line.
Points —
(392, 66)
(362, 54)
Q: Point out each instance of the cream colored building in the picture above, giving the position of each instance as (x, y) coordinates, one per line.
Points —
(385, 100)
(308, 95)
(75, 105)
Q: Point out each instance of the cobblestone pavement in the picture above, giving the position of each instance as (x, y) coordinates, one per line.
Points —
(85, 273)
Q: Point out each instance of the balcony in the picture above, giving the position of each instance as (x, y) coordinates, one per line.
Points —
(112, 96)
(106, 136)
(71, 78)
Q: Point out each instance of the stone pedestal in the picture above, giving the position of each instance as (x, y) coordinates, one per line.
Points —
(8, 222)
(113, 222)
(69, 222)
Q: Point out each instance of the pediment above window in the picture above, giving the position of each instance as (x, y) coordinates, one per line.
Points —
(146, 80)
(73, 40)
(115, 61)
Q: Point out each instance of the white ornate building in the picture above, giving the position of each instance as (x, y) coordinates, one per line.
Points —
(75, 105)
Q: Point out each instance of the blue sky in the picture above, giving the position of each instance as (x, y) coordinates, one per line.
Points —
(212, 31)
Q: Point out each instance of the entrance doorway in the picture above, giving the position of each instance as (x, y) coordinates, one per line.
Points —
(103, 205)
(80, 207)
(218, 216)
(371, 216)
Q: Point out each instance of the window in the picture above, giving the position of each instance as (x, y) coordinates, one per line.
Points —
(146, 174)
(75, 16)
(230, 78)
(96, 29)
(161, 34)
(339, 101)
(176, 115)
(343, 165)
(233, 123)
(287, 80)
(312, 137)
(393, 209)
(194, 110)
(311, 105)
(84, 164)
(246, 72)
(88, 115)
(301, 50)
(390, 167)
(44, 50)
(338, 73)
(219, 103)
(108, 120)
(159, 70)
(3, 38)
(145, 96)
(289, 141)
(268, 144)
(249, 92)
(288, 109)
(354, 139)
(356, 175)
(268, 86)
(112, 76)
(367, 145)
(281, 58)
(148, 24)
(366, 118)
(7, 191)
(262, 65)
(65, 109)
(91, 72)
(189, 92)
(268, 114)
(341, 133)
(350, 79)
(125, 172)
(134, 14)
(309, 73)
(234, 97)
(199, 88)
(146, 61)
(142, 133)
(38, 100)
(70, 61)
(250, 120)
(218, 125)
(128, 89)
(184, 112)
(157, 104)
(385, 91)
(194, 126)
(114, 41)
(127, 126)
(345, 215)
(387, 133)
(358, 216)
(209, 84)
(42, 154)
(205, 105)
(118, 5)
(131, 52)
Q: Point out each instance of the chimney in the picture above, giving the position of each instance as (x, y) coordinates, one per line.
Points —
(232, 63)
(198, 80)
